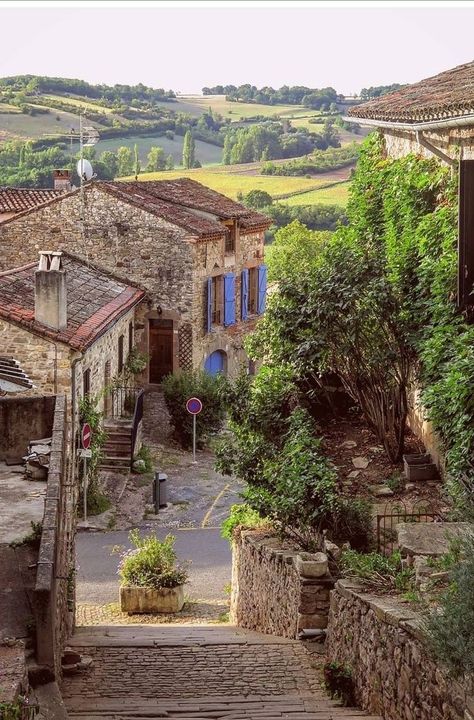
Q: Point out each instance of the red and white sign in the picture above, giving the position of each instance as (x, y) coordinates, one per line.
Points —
(86, 436)
(194, 406)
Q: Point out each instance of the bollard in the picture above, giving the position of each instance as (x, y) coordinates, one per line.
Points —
(160, 491)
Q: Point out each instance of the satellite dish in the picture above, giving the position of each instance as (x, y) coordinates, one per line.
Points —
(84, 169)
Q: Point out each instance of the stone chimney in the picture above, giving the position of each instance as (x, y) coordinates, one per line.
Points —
(50, 291)
(62, 180)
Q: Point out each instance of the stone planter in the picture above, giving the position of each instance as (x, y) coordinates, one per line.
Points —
(148, 600)
(312, 565)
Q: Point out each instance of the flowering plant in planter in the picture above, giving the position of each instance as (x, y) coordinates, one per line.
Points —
(151, 578)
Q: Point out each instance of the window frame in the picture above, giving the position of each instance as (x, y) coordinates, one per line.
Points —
(120, 354)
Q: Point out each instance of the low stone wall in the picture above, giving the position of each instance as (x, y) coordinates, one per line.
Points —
(23, 419)
(394, 674)
(55, 578)
(268, 592)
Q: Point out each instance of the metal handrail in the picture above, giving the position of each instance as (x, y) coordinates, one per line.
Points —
(137, 417)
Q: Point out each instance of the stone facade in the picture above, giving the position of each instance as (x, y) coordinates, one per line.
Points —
(268, 592)
(394, 674)
(451, 141)
(161, 257)
(54, 589)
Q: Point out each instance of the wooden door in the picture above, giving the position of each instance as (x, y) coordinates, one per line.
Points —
(160, 349)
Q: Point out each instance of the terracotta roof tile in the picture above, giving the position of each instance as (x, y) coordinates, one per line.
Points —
(18, 199)
(95, 300)
(182, 203)
(447, 95)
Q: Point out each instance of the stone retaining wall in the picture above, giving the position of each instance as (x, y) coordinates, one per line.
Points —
(394, 674)
(23, 419)
(269, 594)
(55, 579)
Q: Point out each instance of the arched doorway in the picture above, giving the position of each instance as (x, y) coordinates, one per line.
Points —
(216, 362)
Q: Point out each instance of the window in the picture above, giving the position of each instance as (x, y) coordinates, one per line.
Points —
(466, 231)
(231, 237)
(86, 383)
(130, 336)
(120, 354)
(229, 299)
(253, 290)
(216, 300)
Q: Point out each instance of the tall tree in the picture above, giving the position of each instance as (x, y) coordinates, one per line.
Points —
(156, 159)
(189, 150)
(125, 161)
(136, 161)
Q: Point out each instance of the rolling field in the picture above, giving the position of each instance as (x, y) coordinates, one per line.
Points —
(234, 110)
(29, 126)
(77, 102)
(335, 195)
(205, 152)
(230, 184)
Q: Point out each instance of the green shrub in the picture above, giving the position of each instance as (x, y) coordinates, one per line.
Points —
(339, 683)
(241, 516)
(450, 626)
(377, 572)
(209, 389)
(151, 563)
(352, 522)
(145, 454)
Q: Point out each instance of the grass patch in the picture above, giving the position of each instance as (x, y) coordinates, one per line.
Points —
(335, 195)
(230, 185)
(235, 110)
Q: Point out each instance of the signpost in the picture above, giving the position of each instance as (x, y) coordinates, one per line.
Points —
(194, 407)
(86, 452)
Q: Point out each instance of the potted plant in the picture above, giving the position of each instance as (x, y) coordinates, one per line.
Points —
(151, 579)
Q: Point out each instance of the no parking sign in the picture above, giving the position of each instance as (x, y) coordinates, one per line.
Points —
(194, 407)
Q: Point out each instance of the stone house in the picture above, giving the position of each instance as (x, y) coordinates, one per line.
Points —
(434, 117)
(68, 324)
(15, 200)
(199, 255)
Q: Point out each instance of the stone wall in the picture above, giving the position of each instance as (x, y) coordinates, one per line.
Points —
(54, 594)
(23, 419)
(268, 592)
(402, 142)
(394, 674)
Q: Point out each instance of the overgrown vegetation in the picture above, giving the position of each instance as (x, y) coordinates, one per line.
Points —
(339, 683)
(320, 161)
(244, 517)
(377, 572)
(450, 624)
(151, 563)
(97, 502)
(178, 389)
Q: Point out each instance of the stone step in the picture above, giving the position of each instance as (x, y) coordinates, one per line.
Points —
(109, 451)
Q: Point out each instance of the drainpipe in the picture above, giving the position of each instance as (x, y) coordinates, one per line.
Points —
(73, 413)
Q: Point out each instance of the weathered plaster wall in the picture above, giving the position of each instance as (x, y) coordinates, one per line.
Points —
(23, 419)
(401, 142)
(394, 674)
(268, 592)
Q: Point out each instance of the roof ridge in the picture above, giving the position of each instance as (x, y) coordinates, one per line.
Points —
(99, 268)
(29, 265)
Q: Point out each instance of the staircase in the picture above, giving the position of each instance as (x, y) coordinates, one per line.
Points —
(117, 451)
(201, 672)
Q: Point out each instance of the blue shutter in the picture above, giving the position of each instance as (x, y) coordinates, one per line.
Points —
(244, 309)
(209, 305)
(262, 288)
(229, 299)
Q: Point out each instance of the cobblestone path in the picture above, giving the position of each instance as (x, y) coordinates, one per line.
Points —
(196, 673)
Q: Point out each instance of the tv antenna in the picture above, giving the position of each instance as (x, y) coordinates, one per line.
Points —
(88, 137)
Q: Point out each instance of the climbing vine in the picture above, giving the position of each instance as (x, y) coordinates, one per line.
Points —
(376, 304)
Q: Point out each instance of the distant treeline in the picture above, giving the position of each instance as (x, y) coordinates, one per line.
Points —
(123, 93)
(316, 98)
(378, 91)
(319, 161)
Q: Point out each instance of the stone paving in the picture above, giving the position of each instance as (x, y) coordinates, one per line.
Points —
(189, 672)
(197, 612)
(21, 502)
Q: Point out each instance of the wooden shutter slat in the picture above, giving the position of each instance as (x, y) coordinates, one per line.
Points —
(229, 299)
(244, 308)
(262, 289)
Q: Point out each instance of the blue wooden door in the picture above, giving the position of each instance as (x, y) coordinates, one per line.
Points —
(215, 363)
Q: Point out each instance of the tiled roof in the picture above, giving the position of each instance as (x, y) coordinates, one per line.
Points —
(15, 200)
(12, 377)
(181, 201)
(447, 95)
(95, 300)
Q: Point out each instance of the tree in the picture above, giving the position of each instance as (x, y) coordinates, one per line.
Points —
(189, 150)
(136, 161)
(125, 161)
(258, 199)
(109, 160)
(156, 159)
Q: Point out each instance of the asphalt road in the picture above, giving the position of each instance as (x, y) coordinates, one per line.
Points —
(210, 556)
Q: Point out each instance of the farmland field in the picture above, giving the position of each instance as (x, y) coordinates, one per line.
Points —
(335, 195)
(28, 126)
(230, 184)
(78, 102)
(235, 111)
(205, 152)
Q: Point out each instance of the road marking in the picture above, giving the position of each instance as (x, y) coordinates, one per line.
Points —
(216, 500)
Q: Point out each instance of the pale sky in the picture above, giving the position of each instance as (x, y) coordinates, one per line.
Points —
(186, 47)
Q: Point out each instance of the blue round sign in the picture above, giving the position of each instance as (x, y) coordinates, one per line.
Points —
(194, 406)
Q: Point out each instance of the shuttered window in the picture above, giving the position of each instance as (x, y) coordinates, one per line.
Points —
(466, 234)
(262, 289)
(244, 294)
(229, 299)
(209, 305)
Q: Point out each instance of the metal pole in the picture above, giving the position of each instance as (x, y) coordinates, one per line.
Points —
(85, 490)
(194, 439)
